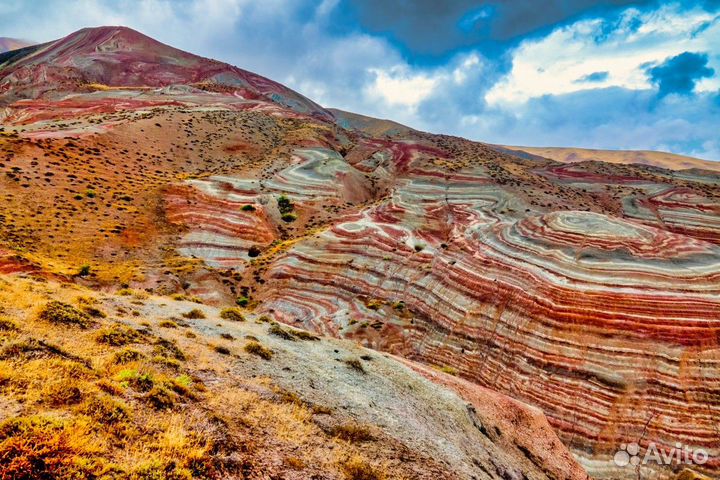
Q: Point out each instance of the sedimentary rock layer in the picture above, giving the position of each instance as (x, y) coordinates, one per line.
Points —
(609, 323)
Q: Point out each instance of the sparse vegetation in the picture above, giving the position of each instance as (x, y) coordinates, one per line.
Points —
(62, 313)
(194, 314)
(232, 314)
(289, 217)
(355, 364)
(284, 204)
(358, 468)
(352, 432)
(255, 348)
(117, 336)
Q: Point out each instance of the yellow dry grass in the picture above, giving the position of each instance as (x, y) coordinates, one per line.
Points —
(89, 414)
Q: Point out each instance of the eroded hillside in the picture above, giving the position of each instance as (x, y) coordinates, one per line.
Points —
(590, 290)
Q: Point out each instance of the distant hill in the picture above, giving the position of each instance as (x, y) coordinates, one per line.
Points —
(7, 44)
(644, 157)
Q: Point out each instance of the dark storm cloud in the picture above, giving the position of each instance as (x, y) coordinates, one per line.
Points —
(679, 74)
(434, 28)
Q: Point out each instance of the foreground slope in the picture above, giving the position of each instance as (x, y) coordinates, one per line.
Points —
(102, 386)
(590, 290)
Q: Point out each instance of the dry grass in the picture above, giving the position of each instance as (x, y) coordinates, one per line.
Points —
(357, 467)
(130, 403)
(256, 349)
(232, 314)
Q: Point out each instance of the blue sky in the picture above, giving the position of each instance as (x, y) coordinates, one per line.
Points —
(596, 74)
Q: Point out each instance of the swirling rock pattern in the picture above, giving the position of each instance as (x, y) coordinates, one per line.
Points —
(589, 290)
(609, 323)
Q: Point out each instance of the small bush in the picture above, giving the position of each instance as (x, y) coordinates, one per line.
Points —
(232, 314)
(170, 363)
(449, 370)
(94, 312)
(194, 314)
(284, 204)
(157, 470)
(141, 382)
(84, 271)
(255, 348)
(357, 468)
(105, 410)
(227, 336)
(374, 304)
(168, 324)
(303, 335)
(7, 325)
(254, 251)
(221, 349)
(242, 301)
(352, 433)
(168, 348)
(160, 398)
(117, 336)
(62, 393)
(248, 208)
(126, 356)
(62, 313)
(278, 331)
(355, 364)
(295, 463)
(289, 217)
(109, 387)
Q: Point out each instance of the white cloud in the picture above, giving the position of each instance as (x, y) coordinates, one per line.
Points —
(400, 86)
(552, 65)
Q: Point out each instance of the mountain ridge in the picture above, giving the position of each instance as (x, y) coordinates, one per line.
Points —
(545, 281)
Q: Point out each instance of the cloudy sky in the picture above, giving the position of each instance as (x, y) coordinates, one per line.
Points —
(587, 73)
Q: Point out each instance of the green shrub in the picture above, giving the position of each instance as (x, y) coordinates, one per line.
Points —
(284, 204)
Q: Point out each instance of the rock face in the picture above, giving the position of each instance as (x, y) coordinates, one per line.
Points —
(606, 322)
(588, 290)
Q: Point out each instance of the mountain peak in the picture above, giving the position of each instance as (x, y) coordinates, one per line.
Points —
(118, 56)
